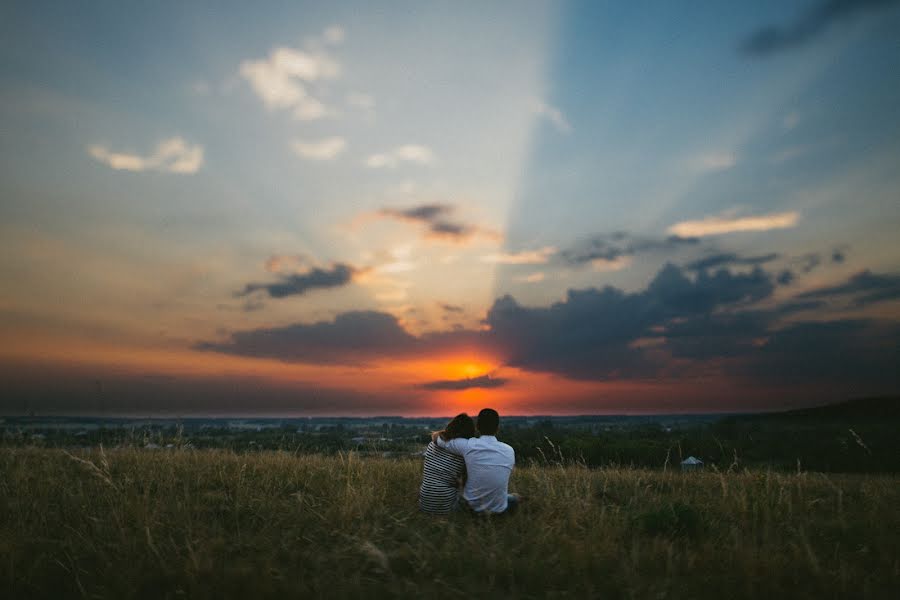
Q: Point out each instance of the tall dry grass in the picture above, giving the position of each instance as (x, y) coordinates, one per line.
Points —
(169, 524)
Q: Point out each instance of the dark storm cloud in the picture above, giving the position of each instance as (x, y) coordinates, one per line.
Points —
(609, 247)
(485, 381)
(727, 259)
(786, 277)
(437, 221)
(861, 352)
(712, 322)
(298, 284)
(685, 323)
(591, 333)
(867, 287)
(810, 261)
(352, 338)
(817, 19)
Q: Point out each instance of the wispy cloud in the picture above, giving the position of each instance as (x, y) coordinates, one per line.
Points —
(485, 381)
(531, 278)
(281, 80)
(523, 257)
(612, 251)
(438, 222)
(866, 287)
(297, 284)
(287, 263)
(812, 23)
(172, 155)
(727, 259)
(324, 149)
(604, 265)
(722, 225)
(334, 35)
(361, 101)
(553, 115)
(791, 120)
(407, 153)
(714, 161)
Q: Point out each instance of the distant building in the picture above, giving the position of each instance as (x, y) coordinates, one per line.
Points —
(691, 463)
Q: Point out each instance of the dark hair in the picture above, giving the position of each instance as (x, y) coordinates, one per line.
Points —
(460, 426)
(488, 421)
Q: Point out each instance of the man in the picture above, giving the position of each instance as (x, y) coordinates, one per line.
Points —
(489, 463)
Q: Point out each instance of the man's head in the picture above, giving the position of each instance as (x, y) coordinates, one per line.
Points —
(488, 421)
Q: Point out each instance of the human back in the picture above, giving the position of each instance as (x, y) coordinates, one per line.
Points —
(442, 470)
(489, 464)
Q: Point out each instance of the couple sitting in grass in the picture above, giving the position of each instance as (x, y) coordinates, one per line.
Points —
(483, 463)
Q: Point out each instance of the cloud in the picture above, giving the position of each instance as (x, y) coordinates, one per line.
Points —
(361, 101)
(324, 149)
(552, 114)
(811, 24)
(681, 325)
(281, 263)
(172, 155)
(523, 257)
(609, 251)
(719, 161)
(859, 353)
(722, 225)
(808, 262)
(297, 284)
(700, 326)
(591, 334)
(867, 287)
(334, 35)
(602, 265)
(532, 278)
(727, 259)
(352, 338)
(791, 120)
(438, 225)
(281, 80)
(450, 308)
(786, 277)
(408, 153)
(485, 381)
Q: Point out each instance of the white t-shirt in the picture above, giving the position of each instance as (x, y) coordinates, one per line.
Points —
(489, 464)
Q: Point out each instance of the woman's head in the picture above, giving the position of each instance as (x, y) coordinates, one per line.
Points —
(460, 426)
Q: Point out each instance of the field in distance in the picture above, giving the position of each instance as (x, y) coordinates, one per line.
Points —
(128, 523)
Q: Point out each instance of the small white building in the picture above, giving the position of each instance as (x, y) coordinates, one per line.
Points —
(691, 463)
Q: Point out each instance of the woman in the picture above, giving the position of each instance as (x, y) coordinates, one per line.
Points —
(443, 470)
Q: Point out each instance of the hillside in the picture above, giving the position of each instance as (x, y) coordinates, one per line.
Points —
(166, 524)
(858, 409)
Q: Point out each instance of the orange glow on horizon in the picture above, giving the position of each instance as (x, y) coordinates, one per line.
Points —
(390, 380)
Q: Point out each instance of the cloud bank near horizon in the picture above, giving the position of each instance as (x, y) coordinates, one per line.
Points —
(679, 326)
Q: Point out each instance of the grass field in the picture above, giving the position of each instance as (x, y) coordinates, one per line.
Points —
(168, 524)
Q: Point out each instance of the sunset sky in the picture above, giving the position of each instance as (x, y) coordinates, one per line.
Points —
(421, 208)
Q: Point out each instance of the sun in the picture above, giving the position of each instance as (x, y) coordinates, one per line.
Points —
(472, 370)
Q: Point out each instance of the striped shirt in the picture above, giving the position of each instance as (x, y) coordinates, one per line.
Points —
(440, 480)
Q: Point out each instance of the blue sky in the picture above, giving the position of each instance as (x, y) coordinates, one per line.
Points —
(225, 190)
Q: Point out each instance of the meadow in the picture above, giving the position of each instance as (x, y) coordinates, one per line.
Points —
(134, 523)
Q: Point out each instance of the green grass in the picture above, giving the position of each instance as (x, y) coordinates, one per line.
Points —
(168, 524)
